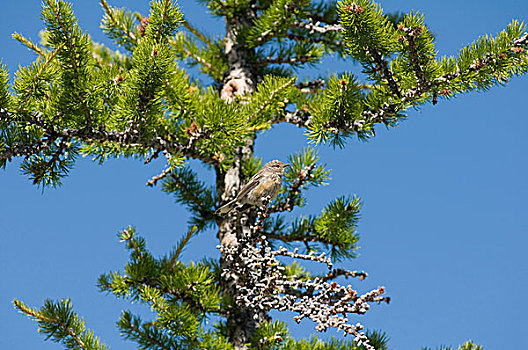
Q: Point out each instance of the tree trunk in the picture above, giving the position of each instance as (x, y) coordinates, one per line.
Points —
(239, 80)
(241, 321)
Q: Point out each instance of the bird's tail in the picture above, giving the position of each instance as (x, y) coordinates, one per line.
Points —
(226, 208)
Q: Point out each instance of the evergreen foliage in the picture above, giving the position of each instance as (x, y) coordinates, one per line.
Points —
(81, 98)
(61, 324)
(466, 346)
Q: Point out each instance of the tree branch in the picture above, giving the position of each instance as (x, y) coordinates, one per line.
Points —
(73, 59)
(190, 196)
(145, 335)
(302, 177)
(322, 258)
(31, 45)
(181, 244)
(271, 97)
(298, 118)
(293, 60)
(311, 86)
(132, 138)
(342, 272)
(197, 33)
(383, 66)
(317, 27)
(154, 180)
(37, 315)
(199, 60)
(388, 110)
(183, 296)
(27, 150)
(410, 34)
(317, 40)
(127, 33)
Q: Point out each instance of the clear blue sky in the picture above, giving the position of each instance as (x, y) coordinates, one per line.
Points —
(444, 224)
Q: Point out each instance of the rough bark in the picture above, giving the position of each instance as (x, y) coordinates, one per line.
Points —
(239, 80)
(241, 321)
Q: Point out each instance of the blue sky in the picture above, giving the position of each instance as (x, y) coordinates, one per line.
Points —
(444, 225)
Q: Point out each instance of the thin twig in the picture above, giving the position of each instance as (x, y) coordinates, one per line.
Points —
(293, 60)
(195, 31)
(383, 66)
(31, 45)
(317, 40)
(181, 244)
(110, 14)
(22, 308)
(410, 34)
(317, 28)
(266, 103)
(75, 66)
(302, 177)
(154, 180)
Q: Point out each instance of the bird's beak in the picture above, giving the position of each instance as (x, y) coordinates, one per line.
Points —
(287, 165)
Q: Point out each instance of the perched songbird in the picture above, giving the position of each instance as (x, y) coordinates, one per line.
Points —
(265, 184)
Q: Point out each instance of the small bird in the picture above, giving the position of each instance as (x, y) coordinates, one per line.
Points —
(265, 184)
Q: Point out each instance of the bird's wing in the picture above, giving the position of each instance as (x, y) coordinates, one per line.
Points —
(226, 208)
(254, 182)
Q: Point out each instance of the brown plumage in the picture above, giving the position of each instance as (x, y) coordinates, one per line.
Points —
(266, 183)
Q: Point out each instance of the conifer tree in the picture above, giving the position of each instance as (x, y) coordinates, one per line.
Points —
(80, 97)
